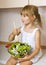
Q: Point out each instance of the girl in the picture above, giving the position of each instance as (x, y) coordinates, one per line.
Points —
(30, 34)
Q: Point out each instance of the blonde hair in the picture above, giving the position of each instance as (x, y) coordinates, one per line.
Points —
(30, 10)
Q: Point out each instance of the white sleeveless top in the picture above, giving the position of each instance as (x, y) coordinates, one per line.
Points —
(29, 38)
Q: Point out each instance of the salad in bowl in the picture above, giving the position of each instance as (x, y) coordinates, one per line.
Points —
(18, 49)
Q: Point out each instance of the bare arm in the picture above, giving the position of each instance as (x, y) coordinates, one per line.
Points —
(37, 48)
(16, 31)
(37, 45)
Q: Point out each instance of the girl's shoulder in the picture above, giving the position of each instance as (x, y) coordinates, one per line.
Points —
(37, 30)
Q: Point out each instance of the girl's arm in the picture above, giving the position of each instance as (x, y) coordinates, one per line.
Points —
(16, 31)
(37, 47)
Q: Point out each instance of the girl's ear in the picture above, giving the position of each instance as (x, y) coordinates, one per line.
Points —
(34, 17)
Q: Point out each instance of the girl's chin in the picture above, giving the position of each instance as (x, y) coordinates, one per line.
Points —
(25, 23)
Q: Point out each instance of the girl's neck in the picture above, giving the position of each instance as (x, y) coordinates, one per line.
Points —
(30, 26)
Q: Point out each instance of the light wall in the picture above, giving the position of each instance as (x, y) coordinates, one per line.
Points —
(8, 18)
(42, 12)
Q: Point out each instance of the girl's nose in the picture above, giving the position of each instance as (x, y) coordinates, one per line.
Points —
(22, 18)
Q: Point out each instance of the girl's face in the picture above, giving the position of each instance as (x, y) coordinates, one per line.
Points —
(25, 19)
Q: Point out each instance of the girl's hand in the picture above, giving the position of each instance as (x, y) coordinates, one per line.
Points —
(23, 59)
(14, 31)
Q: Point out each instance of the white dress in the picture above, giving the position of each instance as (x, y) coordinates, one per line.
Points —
(30, 39)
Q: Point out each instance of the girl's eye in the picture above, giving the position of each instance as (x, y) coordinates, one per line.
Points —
(23, 15)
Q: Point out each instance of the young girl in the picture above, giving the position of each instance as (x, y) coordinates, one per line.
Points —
(30, 34)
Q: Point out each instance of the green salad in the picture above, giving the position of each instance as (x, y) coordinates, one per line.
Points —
(18, 49)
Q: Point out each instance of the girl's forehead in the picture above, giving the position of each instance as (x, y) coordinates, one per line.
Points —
(24, 12)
